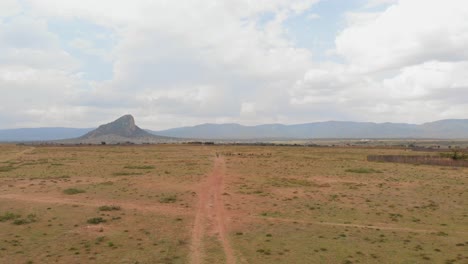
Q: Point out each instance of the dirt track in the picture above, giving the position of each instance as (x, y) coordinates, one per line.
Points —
(18, 154)
(211, 215)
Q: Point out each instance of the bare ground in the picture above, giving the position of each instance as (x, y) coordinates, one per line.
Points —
(211, 216)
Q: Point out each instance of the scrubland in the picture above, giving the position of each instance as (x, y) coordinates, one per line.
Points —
(227, 204)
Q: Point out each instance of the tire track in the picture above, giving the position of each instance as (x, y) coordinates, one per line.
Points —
(211, 215)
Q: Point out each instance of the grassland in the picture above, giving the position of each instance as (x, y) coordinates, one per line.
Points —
(183, 204)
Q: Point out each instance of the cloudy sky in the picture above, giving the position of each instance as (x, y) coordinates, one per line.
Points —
(170, 63)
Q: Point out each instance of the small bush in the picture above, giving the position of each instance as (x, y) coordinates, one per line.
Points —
(71, 191)
(6, 168)
(455, 155)
(9, 216)
(109, 208)
(31, 218)
(126, 173)
(363, 170)
(168, 198)
(143, 167)
(96, 220)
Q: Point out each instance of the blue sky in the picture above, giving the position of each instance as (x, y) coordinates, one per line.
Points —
(69, 30)
(74, 63)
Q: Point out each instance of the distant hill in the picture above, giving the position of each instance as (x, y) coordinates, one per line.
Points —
(121, 130)
(124, 129)
(444, 129)
(46, 133)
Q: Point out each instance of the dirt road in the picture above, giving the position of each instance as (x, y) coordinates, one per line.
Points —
(211, 216)
(17, 155)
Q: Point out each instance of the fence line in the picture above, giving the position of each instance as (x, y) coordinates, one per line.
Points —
(423, 160)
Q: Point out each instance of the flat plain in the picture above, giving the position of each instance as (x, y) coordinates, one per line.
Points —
(227, 204)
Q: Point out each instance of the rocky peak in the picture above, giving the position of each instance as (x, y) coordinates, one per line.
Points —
(123, 126)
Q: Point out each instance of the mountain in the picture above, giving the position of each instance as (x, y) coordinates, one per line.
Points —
(121, 130)
(124, 129)
(444, 129)
(46, 133)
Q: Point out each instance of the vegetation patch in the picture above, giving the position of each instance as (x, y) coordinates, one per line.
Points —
(142, 167)
(106, 208)
(455, 155)
(455, 159)
(168, 198)
(363, 170)
(123, 173)
(96, 220)
(289, 182)
(9, 216)
(6, 168)
(31, 218)
(72, 191)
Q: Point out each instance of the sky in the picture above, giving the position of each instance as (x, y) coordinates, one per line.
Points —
(171, 63)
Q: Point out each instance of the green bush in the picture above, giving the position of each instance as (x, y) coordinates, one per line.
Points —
(168, 198)
(123, 173)
(363, 170)
(455, 155)
(31, 218)
(71, 191)
(109, 208)
(96, 220)
(9, 216)
(143, 167)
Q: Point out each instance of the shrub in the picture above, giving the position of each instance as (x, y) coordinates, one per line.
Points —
(142, 167)
(71, 191)
(9, 216)
(363, 170)
(109, 208)
(31, 218)
(455, 155)
(168, 198)
(96, 220)
(6, 168)
(123, 173)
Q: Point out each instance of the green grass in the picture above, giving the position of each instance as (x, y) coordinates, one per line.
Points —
(9, 216)
(72, 191)
(168, 198)
(96, 220)
(289, 182)
(142, 167)
(6, 168)
(126, 173)
(363, 170)
(106, 208)
(31, 218)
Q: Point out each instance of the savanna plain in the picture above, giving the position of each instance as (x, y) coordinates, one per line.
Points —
(227, 204)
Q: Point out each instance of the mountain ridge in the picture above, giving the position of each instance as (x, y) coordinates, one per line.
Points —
(444, 129)
(440, 129)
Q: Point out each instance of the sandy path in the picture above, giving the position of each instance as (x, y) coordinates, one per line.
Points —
(211, 215)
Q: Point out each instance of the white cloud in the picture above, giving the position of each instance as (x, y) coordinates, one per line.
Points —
(192, 61)
(313, 16)
(166, 59)
(376, 3)
(27, 41)
(9, 8)
(409, 32)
